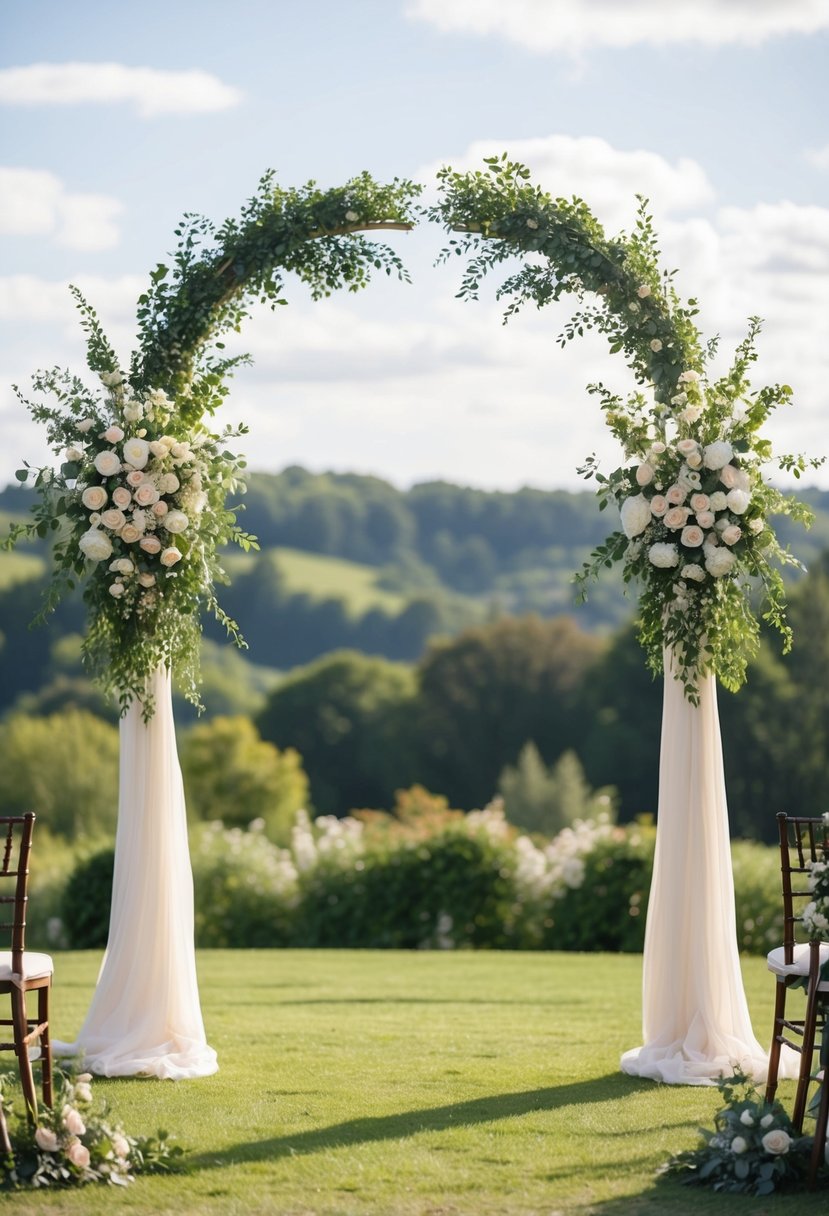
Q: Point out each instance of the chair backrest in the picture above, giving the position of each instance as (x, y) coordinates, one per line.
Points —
(802, 840)
(16, 845)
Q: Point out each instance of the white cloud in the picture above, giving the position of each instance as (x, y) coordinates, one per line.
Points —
(575, 25)
(34, 202)
(606, 177)
(152, 91)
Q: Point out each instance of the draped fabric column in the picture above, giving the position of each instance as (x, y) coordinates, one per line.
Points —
(145, 1017)
(696, 1025)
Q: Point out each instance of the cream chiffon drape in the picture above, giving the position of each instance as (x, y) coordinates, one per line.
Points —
(145, 1017)
(695, 1019)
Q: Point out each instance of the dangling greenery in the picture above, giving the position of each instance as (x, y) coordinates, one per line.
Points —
(143, 500)
(694, 502)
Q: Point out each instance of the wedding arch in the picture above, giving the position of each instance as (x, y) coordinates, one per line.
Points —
(143, 503)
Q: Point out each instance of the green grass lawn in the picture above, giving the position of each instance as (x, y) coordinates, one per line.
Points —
(19, 568)
(434, 1084)
(324, 577)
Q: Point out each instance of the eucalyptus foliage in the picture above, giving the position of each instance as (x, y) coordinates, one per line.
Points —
(143, 500)
(690, 438)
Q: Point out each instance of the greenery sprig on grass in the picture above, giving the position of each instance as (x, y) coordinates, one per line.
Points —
(695, 504)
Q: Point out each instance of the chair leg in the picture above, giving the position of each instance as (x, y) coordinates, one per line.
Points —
(45, 1045)
(807, 1053)
(821, 1127)
(774, 1050)
(21, 1030)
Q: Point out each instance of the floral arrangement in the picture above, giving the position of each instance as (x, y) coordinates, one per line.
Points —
(816, 912)
(138, 508)
(74, 1144)
(753, 1150)
(696, 508)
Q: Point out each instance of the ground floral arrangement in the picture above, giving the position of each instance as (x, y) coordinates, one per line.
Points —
(753, 1150)
(75, 1142)
(696, 532)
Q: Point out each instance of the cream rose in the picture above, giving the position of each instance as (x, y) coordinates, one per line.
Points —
(169, 483)
(731, 534)
(94, 497)
(688, 377)
(95, 545)
(694, 572)
(157, 448)
(85, 425)
(663, 555)
(776, 1142)
(83, 1091)
(116, 590)
(718, 501)
(676, 518)
(146, 579)
(692, 536)
(146, 494)
(659, 505)
(113, 434)
(719, 562)
(700, 502)
(78, 1154)
(122, 565)
(644, 475)
(150, 544)
(170, 556)
(691, 413)
(136, 452)
(108, 463)
(694, 460)
(737, 501)
(133, 411)
(46, 1140)
(120, 1146)
(112, 379)
(121, 497)
(135, 478)
(643, 291)
(177, 521)
(676, 495)
(72, 1121)
(686, 446)
(705, 519)
(756, 526)
(635, 513)
(113, 519)
(656, 345)
(129, 534)
(160, 509)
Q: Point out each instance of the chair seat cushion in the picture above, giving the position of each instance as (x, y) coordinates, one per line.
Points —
(776, 960)
(35, 966)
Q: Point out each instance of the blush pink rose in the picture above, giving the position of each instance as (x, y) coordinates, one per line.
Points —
(146, 494)
(135, 477)
(676, 495)
(113, 519)
(731, 534)
(129, 534)
(150, 544)
(170, 556)
(699, 502)
(692, 537)
(705, 519)
(78, 1154)
(659, 504)
(676, 518)
(121, 497)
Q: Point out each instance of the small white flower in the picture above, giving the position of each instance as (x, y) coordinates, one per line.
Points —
(85, 425)
(351, 217)
(738, 1145)
(120, 1146)
(747, 1119)
(643, 291)
(664, 556)
(73, 455)
(83, 1091)
(656, 345)
(531, 223)
(112, 379)
(767, 1120)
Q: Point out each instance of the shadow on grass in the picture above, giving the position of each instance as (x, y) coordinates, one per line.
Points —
(431, 1119)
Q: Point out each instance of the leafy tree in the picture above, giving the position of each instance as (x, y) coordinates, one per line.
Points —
(484, 694)
(231, 773)
(545, 800)
(64, 768)
(349, 717)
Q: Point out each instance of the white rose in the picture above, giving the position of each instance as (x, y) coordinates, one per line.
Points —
(738, 1145)
(635, 514)
(691, 413)
(158, 449)
(676, 495)
(737, 501)
(705, 519)
(83, 1091)
(777, 1141)
(694, 572)
(122, 565)
(718, 561)
(94, 497)
(95, 545)
(85, 425)
(169, 483)
(692, 537)
(756, 526)
(177, 521)
(686, 446)
(679, 399)
(108, 463)
(688, 377)
(644, 475)
(136, 452)
(112, 379)
(767, 1120)
(116, 590)
(146, 494)
(694, 460)
(747, 1119)
(170, 556)
(731, 534)
(676, 518)
(113, 519)
(73, 455)
(46, 1140)
(700, 502)
(717, 455)
(659, 504)
(179, 450)
(169, 441)
(663, 555)
(133, 411)
(658, 448)
(643, 291)
(718, 501)
(146, 579)
(113, 434)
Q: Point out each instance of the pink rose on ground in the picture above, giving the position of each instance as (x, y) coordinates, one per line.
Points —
(94, 497)
(78, 1154)
(73, 1122)
(170, 556)
(731, 534)
(150, 544)
(659, 504)
(699, 502)
(120, 1146)
(676, 518)
(113, 518)
(676, 495)
(121, 497)
(705, 519)
(692, 537)
(146, 494)
(644, 475)
(46, 1140)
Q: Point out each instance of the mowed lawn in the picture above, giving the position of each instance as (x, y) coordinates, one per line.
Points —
(427, 1083)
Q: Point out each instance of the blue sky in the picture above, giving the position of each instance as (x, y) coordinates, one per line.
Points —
(716, 109)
